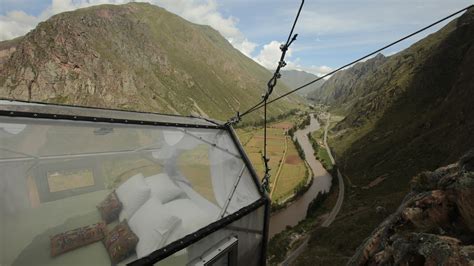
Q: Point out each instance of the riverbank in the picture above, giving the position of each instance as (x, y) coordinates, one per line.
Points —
(285, 225)
(304, 185)
(335, 170)
(296, 211)
(286, 246)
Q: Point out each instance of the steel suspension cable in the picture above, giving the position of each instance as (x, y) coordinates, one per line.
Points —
(260, 104)
(276, 75)
(270, 87)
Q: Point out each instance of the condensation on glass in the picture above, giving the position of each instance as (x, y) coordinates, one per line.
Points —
(171, 181)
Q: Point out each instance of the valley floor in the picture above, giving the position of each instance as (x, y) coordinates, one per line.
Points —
(286, 246)
(288, 170)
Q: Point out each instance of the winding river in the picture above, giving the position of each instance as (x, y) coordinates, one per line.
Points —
(296, 211)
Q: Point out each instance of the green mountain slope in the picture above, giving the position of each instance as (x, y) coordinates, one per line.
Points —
(345, 87)
(134, 56)
(295, 78)
(416, 110)
(411, 112)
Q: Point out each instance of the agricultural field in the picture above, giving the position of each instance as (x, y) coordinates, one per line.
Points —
(287, 168)
(293, 171)
(195, 165)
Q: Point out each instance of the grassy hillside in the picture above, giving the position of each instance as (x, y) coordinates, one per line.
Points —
(295, 78)
(411, 112)
(346, 87)
(135, 56)
(421, 117)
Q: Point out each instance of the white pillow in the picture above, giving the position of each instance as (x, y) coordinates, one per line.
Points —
(162, 187)
(153, 226)
(191, 215)
(133, 193)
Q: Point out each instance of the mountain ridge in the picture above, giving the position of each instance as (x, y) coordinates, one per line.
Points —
(135, 56)
(337, 89)
(296, 78)
(409, 113)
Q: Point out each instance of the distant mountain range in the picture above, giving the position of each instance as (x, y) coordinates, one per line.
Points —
(422, 96)
(135, 56)
(340, 89)
(404, 114)
(296, 78)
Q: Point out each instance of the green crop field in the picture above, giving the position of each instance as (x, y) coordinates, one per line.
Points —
(293, 168)
(292, 173)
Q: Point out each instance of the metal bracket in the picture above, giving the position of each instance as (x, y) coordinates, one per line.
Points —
(234, 120)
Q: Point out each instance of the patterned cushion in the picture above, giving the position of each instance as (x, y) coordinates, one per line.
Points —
(120, 242)
(76, 238)
(110, 208)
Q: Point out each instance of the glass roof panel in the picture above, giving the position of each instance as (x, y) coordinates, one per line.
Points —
(16, 106)
(55, 173)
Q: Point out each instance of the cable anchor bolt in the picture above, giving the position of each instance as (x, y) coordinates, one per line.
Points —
(234, 120)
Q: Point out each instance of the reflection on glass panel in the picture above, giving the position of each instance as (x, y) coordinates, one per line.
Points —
(78, 193)
(222, 261)
(70, 179)
(195, 166)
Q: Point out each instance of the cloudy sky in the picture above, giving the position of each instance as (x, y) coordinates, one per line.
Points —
(331, 32)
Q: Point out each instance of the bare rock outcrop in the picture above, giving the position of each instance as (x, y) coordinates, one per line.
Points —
(433, 226)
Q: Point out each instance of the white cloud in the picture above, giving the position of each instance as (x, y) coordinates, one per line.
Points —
(14, 22)
(206, 12)
(270, 54)
(390, 53)
(244, 45)
(17, 23)
(317, 70)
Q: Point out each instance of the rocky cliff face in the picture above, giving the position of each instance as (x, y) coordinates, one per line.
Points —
(134, 56)
(433, 226)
